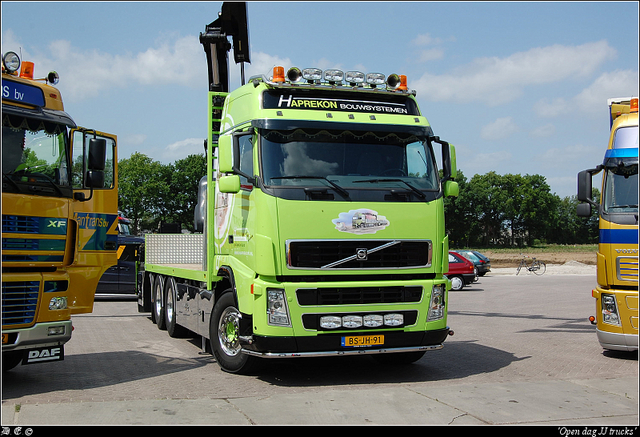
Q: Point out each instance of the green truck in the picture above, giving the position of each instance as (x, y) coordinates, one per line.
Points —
(321, 219)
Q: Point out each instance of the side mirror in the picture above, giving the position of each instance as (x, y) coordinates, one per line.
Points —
(584, 186)
(97, 154)
(451, 189)
(229, 184)
(225, 154)
(583, 210)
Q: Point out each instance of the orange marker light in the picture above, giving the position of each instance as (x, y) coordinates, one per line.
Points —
(403, 82)
(26, 71)
(634, 105)
(278, 74)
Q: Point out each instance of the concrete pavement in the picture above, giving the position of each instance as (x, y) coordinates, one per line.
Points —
(556, 403)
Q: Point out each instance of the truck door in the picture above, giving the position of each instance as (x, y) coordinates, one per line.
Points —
(94, 214)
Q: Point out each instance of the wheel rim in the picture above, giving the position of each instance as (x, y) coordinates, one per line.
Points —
(168, 305)
(456, 283)
(228, 331)
(158, 300)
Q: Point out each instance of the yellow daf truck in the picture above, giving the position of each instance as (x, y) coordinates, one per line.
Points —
(322, 218)
(59, 215)
(616, 294)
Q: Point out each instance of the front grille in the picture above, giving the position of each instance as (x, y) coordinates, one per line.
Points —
(19, 302)
(357, 295)
(20, 224)
(358, 254)
(627, 268)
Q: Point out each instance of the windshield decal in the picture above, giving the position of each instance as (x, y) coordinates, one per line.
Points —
(360, 221)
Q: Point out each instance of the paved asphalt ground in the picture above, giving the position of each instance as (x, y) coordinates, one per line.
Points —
(523, 353)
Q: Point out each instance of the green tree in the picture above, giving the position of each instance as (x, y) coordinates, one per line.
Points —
(185, 177)
(143, 188)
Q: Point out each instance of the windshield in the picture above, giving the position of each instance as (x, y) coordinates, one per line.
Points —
(35, 157)
(348, 161)
(621, 186)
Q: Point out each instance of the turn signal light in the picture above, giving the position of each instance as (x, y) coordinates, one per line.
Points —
(634, 105)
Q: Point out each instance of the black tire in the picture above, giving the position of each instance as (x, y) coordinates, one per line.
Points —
(157, 307)
(539, 268)
(170, 296)
(11, 360)
(400, 358)
(224, 334)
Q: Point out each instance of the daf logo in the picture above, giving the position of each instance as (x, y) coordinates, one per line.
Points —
(362, 254)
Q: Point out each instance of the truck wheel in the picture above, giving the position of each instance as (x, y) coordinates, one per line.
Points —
(170, 298)
(224, 333)
(158, 302)
(456, 283)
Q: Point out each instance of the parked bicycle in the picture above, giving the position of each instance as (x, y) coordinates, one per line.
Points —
(535, 266)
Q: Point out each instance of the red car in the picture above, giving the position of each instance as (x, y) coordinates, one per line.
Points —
(461, 271)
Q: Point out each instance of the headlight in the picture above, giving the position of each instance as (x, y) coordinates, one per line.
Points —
(11, 61)
(58, 303)
(609, 309)
(330, 322)
(436, 304)
(393, 319)
(277, 309)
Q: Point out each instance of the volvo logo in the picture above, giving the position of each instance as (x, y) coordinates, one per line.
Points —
(627, 250)
(362, 254)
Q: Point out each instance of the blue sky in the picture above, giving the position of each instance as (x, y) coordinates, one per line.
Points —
(516, 87)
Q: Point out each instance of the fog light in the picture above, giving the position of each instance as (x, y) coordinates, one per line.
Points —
(56, 330)
(330, 322)
(373, 320)
(277, 308)
(352, 321)
(58, 303)
(393, 319)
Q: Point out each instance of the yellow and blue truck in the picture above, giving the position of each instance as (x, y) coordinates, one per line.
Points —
(59, 215)
(616, 293)
(321, 216)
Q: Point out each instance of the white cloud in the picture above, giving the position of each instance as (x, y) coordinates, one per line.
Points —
(592, 99)
(430, 55)
(575, 156)
(88, 73)
(543, 131)
(183, 148)
(619, 83)
(499, 129)
(496, 80)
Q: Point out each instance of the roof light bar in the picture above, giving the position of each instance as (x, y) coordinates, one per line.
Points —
(312, 74)
(354, 78)
(334, 76)
(375, 79)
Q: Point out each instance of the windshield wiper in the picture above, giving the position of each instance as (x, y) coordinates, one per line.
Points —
(417, 192)
(335, 186)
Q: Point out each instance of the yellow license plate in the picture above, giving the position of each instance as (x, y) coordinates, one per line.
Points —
(363, 341)
(5, 338)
